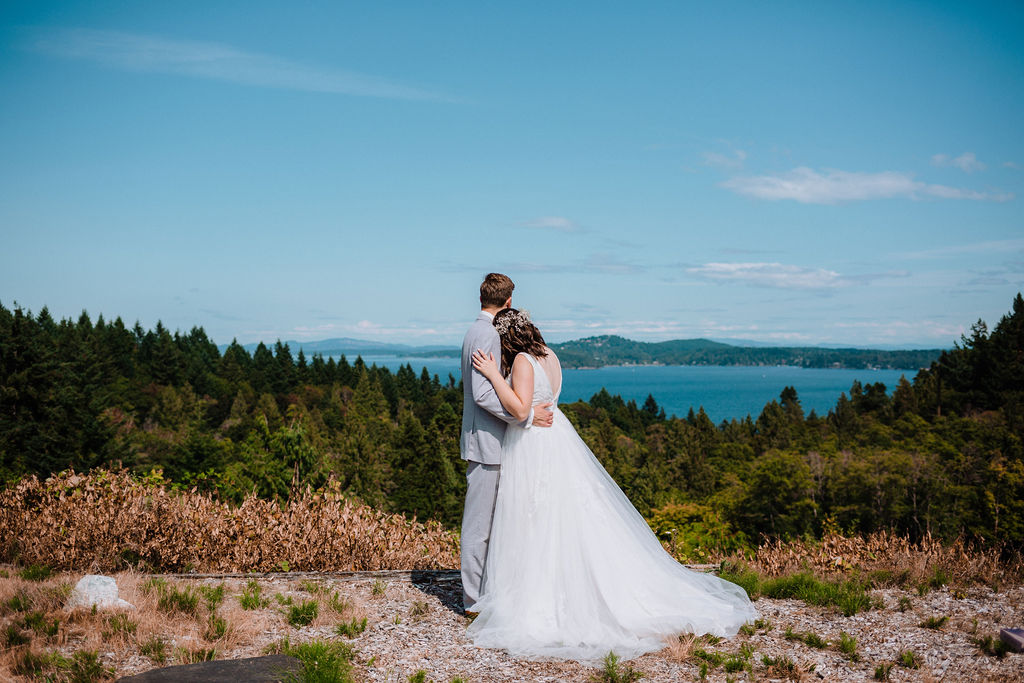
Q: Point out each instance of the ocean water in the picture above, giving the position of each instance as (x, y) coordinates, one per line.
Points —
(725, 392)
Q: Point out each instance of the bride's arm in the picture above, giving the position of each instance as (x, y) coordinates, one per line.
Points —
(517, 401)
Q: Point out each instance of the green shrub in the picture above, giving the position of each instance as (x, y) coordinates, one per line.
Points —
(155, 648)
(935, 623)
(848, 595)
(252, 596)
(909, 659)
(992, 646)
(118, 624)
(883, 671)
(212, 596)
(87, 668)
(321, 662)
(13, 636)
(781, 666)
(904, 604)
(19, 602)
(339, 603)
(848, 646)
(351, 629)
(35, 572)
(713, 658)
(304, 613)
(613, 672)
(177, 599)
(216, 628)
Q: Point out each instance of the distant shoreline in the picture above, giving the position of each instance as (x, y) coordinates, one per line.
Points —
(615, 351)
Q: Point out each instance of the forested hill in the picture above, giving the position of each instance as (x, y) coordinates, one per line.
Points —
(942, 454)
(613, 350)
(594, 352)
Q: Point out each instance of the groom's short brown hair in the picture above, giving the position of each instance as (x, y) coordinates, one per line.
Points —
(495, 290)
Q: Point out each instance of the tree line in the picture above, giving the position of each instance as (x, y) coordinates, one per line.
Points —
(942, 454)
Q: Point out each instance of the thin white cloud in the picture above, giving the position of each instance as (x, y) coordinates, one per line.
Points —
(558, 223)
(785, 276)
(997, 246)
(718, 160)
(216, 61)
(966, 162)
(808, 186)
(1011, 164)
(777, 275)
(901, 330)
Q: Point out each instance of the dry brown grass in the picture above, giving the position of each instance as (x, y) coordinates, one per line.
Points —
(121, 636)
(681, 648)
(890, 559)
(106, 521)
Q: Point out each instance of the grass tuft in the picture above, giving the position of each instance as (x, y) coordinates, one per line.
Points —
(216, 628)
(86, 668)
(846, 594)
(352, 628)
(304, 613)
(781, 667)
(935, 623)
(13, 637)
(848, 646)
(38, 622)
(155, 648)
(613, 671)
(992, 646)
(321, 661)
(252, 596)
(213, 596)
(808, 638)
(35, 572)
(883, 671)
(118, 625)
(909, 659)
(172, 598)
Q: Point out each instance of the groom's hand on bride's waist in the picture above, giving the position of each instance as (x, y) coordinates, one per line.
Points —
(542, 415)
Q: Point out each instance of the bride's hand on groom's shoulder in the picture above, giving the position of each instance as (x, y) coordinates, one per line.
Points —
(486, 365)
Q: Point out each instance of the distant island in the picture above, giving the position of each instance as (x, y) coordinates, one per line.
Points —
(596, 352)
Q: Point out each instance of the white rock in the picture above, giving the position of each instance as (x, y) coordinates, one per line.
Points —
(98, 590)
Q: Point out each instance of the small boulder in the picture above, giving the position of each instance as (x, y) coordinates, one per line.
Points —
(1013, 637)
(98, 590)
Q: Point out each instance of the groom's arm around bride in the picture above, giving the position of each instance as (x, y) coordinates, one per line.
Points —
(483, 427)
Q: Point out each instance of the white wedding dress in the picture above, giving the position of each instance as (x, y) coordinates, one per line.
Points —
(573, 571)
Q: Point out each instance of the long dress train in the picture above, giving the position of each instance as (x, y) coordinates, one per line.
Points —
(573, 571)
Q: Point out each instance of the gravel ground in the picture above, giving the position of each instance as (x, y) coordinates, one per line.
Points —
(417, 626)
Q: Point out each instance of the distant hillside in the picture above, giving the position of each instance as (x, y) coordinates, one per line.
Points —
(614, 350)
(351, 347)
(595, 352)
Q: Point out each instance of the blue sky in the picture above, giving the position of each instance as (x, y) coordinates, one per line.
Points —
(795, 173)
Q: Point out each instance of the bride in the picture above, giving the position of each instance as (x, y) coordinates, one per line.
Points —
(573, 571)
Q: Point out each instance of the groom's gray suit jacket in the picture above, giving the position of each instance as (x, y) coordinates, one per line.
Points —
(483, 417)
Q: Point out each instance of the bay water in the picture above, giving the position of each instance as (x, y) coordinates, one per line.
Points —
(725, 392)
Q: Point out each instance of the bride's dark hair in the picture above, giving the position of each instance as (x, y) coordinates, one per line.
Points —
(518, 333)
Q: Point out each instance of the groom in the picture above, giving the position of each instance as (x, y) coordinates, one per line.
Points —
(483, 428)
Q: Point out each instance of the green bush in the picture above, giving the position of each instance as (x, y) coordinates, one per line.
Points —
(304, 613)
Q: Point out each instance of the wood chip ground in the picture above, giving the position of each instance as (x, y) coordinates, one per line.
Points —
(415, 626)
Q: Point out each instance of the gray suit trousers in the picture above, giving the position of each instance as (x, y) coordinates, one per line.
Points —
(481, 492)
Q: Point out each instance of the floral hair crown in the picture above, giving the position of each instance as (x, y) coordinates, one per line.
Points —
(519, 320)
